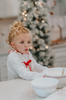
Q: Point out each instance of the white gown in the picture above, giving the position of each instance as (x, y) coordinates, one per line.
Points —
(17, 68)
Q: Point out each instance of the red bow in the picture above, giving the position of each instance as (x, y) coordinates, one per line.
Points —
(27, 64)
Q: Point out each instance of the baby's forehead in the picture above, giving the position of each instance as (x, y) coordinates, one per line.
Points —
(24, 37)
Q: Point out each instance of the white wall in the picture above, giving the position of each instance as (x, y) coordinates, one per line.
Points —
(9, 8)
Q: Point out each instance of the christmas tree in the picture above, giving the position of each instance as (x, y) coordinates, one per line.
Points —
(35, 16)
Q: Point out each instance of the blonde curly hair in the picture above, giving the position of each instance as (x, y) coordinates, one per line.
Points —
(15, 30)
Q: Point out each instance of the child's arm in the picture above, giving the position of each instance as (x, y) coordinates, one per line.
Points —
(39, 68)
(15, 64)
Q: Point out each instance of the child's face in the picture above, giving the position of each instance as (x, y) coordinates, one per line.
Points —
(22, 43)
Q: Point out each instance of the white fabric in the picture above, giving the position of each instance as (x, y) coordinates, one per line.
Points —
(18, 69)
(58, 95)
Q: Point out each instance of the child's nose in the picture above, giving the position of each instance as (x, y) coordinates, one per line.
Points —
(26, 44)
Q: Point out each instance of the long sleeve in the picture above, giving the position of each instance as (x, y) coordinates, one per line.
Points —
(15, 65)
(39, 68)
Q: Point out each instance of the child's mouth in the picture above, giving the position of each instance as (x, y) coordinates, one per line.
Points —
(26, 49)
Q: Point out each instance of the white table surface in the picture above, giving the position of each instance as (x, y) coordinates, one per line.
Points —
(17, 89)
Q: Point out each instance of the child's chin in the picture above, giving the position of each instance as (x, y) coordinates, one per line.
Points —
(25, 52)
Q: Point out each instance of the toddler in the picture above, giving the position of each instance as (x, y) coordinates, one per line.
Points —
(20, 62)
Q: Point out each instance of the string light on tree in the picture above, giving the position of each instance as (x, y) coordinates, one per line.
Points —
(37, 18)
(46, 47)
(23, 13)
(25, 3)
(38, 49)
(31, 47)
(25, 18)
(35, 2)
(37, 38)
(42, 21)
(40, 4)
(46, 31)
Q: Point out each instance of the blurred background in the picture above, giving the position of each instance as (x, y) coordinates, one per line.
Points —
(10, 12)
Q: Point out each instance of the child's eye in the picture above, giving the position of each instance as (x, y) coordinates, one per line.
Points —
(29, 42)
(22, 42)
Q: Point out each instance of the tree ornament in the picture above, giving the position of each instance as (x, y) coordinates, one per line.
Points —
(51, 13)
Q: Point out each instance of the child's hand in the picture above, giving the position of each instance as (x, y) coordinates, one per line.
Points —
(43, 76)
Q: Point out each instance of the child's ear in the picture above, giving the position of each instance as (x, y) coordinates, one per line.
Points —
(12, 44)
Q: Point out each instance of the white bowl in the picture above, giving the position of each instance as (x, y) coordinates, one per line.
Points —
(44, 86)
(57, 73)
